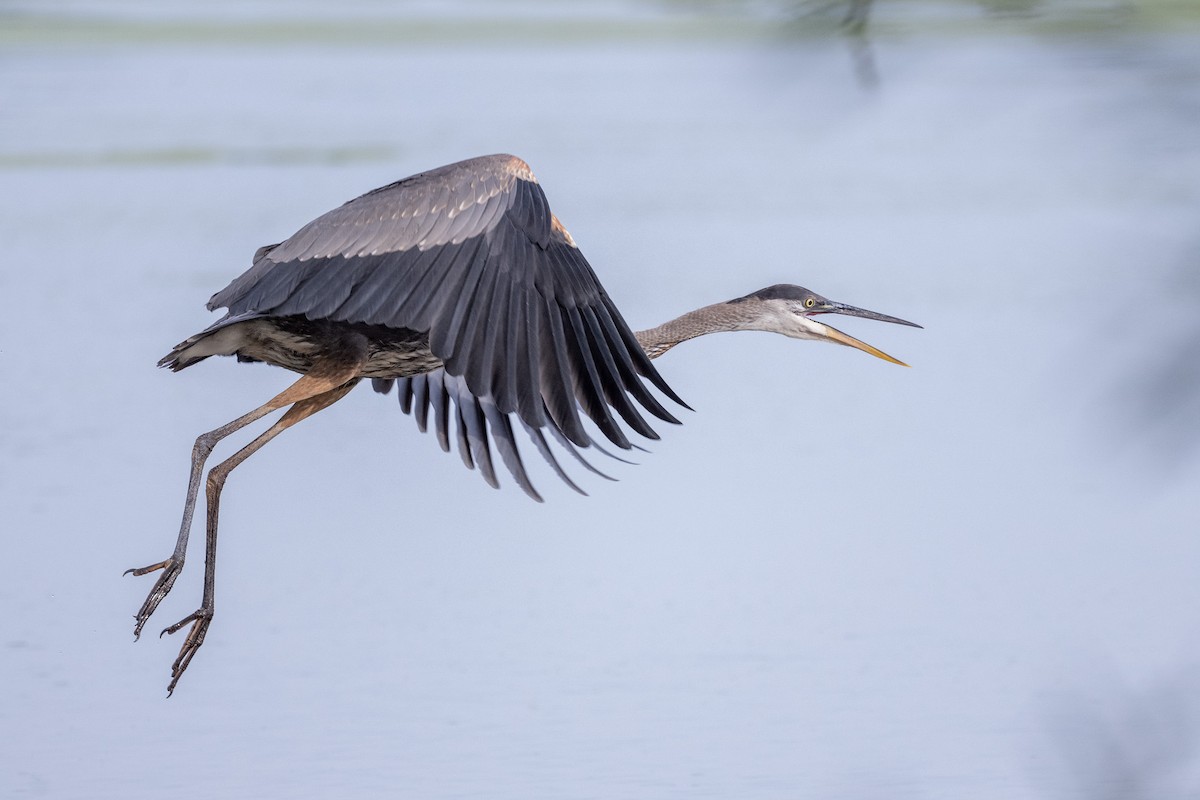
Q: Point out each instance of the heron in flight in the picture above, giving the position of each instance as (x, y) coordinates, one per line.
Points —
(460, 286)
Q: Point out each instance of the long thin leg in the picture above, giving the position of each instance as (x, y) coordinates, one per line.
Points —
(172, 565)
(321, 378)
(202, 617)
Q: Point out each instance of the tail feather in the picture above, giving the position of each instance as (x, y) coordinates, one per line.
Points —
(215, 340)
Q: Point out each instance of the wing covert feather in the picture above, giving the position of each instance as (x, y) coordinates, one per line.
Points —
(471, 255)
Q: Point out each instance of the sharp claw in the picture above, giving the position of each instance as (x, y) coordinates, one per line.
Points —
(162, 587)
(147, 570)
(193, 617)
(200, 620)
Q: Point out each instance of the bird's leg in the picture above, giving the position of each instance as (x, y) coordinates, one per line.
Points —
(202, 617)
(172, 565)
(327, 373)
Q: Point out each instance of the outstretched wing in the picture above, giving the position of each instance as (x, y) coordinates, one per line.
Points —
(471, 254)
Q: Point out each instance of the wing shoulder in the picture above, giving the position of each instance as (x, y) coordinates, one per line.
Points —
(445, 206)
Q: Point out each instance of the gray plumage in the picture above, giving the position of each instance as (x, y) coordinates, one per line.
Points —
(459, 288)
(464, 268)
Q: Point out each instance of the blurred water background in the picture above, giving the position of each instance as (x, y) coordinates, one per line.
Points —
(976, 578)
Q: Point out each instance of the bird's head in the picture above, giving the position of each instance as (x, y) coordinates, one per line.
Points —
(790, 310)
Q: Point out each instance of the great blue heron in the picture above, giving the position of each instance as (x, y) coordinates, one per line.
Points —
(462, 286)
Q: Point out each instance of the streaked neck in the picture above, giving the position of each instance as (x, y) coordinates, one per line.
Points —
(716, 318)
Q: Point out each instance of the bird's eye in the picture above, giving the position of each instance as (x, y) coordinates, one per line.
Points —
(809, 303)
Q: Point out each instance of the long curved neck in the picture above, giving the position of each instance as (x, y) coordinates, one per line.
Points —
(717, 318)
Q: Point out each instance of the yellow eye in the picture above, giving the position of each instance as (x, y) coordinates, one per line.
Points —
(809, 303)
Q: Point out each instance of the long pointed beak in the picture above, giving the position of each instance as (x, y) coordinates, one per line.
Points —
(854, 311)
(834, 335)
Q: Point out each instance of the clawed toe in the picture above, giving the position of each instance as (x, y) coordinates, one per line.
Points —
(152, 568)
(195, 616)
(171, 568)
(200, 620)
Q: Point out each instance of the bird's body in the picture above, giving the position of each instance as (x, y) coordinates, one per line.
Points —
(296, 343)
(460, 285)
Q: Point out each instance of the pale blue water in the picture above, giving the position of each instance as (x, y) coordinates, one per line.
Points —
(839, 578)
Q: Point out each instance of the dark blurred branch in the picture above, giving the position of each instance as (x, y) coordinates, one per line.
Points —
(1161, 395)
(1120, 744)
(855, 26)
(856, 16)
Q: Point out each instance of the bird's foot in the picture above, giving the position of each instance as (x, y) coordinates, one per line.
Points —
(170, 571)
(200, 619)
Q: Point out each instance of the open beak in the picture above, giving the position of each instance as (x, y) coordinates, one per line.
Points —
(834, 335)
